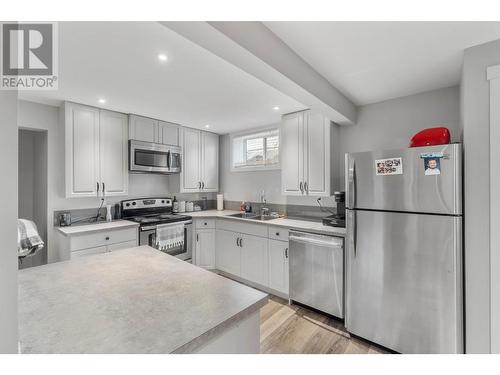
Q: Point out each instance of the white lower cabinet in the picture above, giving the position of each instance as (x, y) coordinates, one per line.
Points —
(228, 252)
(260, 258)
(278, 266)
(96, 242)
(205, 248)
(254, 259)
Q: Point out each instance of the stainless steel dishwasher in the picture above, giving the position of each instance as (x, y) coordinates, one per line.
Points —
(317, 271)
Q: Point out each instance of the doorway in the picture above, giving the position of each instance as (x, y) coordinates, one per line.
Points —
(32, 187)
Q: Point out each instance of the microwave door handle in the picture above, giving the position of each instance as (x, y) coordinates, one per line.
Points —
(169, 155)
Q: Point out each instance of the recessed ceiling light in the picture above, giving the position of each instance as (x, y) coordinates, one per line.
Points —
(102, 100)
(276, 108)
(207, 126)
(162, 57)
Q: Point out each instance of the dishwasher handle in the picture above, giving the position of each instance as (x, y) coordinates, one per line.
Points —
(315, 241)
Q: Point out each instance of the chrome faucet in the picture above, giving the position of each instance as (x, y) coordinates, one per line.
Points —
(264, 210)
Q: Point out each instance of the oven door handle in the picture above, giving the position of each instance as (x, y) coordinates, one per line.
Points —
(145, 229)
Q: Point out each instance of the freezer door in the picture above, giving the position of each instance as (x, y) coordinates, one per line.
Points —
(404, 281)
(409, 187)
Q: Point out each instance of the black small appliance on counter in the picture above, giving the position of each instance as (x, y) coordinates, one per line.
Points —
(337, 219)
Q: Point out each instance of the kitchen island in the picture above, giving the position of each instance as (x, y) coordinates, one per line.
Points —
(137, 300)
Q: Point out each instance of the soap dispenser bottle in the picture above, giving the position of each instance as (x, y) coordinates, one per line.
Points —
(175, 205)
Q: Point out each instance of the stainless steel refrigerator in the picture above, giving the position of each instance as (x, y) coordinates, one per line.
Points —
(404, 248)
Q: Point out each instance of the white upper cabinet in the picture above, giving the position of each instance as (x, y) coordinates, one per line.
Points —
(190, 171)
(150, 130)
(113, 132)
(200, 162)
(82, 150)
(96, 151)
(143, 129)
(169, 133)
(306, 151)
(292, 153)
(209, 162)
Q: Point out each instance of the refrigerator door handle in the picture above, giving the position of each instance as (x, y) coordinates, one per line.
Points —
(351, 181)
(355, 231)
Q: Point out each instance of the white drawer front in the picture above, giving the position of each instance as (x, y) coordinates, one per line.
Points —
(204, 223)
(242, 226)
(278, 233)
(102, 238)
(85, 252)
(122, 245)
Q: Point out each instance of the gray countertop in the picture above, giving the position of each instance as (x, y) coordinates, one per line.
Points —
(137, 300)
(311, 226)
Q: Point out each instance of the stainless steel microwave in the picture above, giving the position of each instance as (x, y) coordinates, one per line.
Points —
(147, 157)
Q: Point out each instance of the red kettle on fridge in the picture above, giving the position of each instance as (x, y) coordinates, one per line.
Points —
(431, 137)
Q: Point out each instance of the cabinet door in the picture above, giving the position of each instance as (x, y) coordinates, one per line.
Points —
(227, 252)
(292, 153)
(168, 133)
(113, 153)
(205, 248)
(278, 266)
(210, 162)
(190, 173)
(143, 129)
(82, 150)
(254, 259)
(317, 150)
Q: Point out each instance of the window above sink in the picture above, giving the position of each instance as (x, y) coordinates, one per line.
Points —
(255, 150)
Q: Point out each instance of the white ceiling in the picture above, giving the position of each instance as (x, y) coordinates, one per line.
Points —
(118, 61)
(375, 61)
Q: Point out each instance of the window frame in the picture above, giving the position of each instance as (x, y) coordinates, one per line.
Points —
(254, 168)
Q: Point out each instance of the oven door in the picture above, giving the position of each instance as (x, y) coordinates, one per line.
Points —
(147, 236)
(146, 157)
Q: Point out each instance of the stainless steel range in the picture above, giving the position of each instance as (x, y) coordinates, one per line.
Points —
(159, 227)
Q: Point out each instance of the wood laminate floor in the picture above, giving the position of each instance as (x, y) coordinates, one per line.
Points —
(295, 329)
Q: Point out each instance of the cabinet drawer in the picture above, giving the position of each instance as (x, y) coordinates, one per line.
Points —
(278, 233)
(242, 226)
(102, 238)
(204, 223)
(85, 252)
(122, 245)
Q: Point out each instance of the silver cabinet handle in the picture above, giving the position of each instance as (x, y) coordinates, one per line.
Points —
(203, 185)
(301, 187)
(305, 187)
(197, 237)
(286, 253)
(97, 190)
(103, 190)
(237, 241)
(241, 242)
(199, 185)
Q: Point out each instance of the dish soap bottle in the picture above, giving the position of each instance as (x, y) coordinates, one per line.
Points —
(175, 205)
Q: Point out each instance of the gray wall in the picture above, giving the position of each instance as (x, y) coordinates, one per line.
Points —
(475, 122)
(391, 124)
(8, 223)
(388, 124)
(32, 186)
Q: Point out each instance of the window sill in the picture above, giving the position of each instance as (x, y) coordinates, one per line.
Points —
(256, 168)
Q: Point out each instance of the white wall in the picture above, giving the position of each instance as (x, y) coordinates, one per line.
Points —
(475, 119)
(8, 223)
(388, 124)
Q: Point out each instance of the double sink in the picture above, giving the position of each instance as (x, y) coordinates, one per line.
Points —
(253, 216)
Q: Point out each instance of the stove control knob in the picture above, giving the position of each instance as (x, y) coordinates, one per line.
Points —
(162, 201)
(127, 204)
(134, 203)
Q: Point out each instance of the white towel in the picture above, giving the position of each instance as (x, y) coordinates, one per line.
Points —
(169, 236)
(28, 239)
